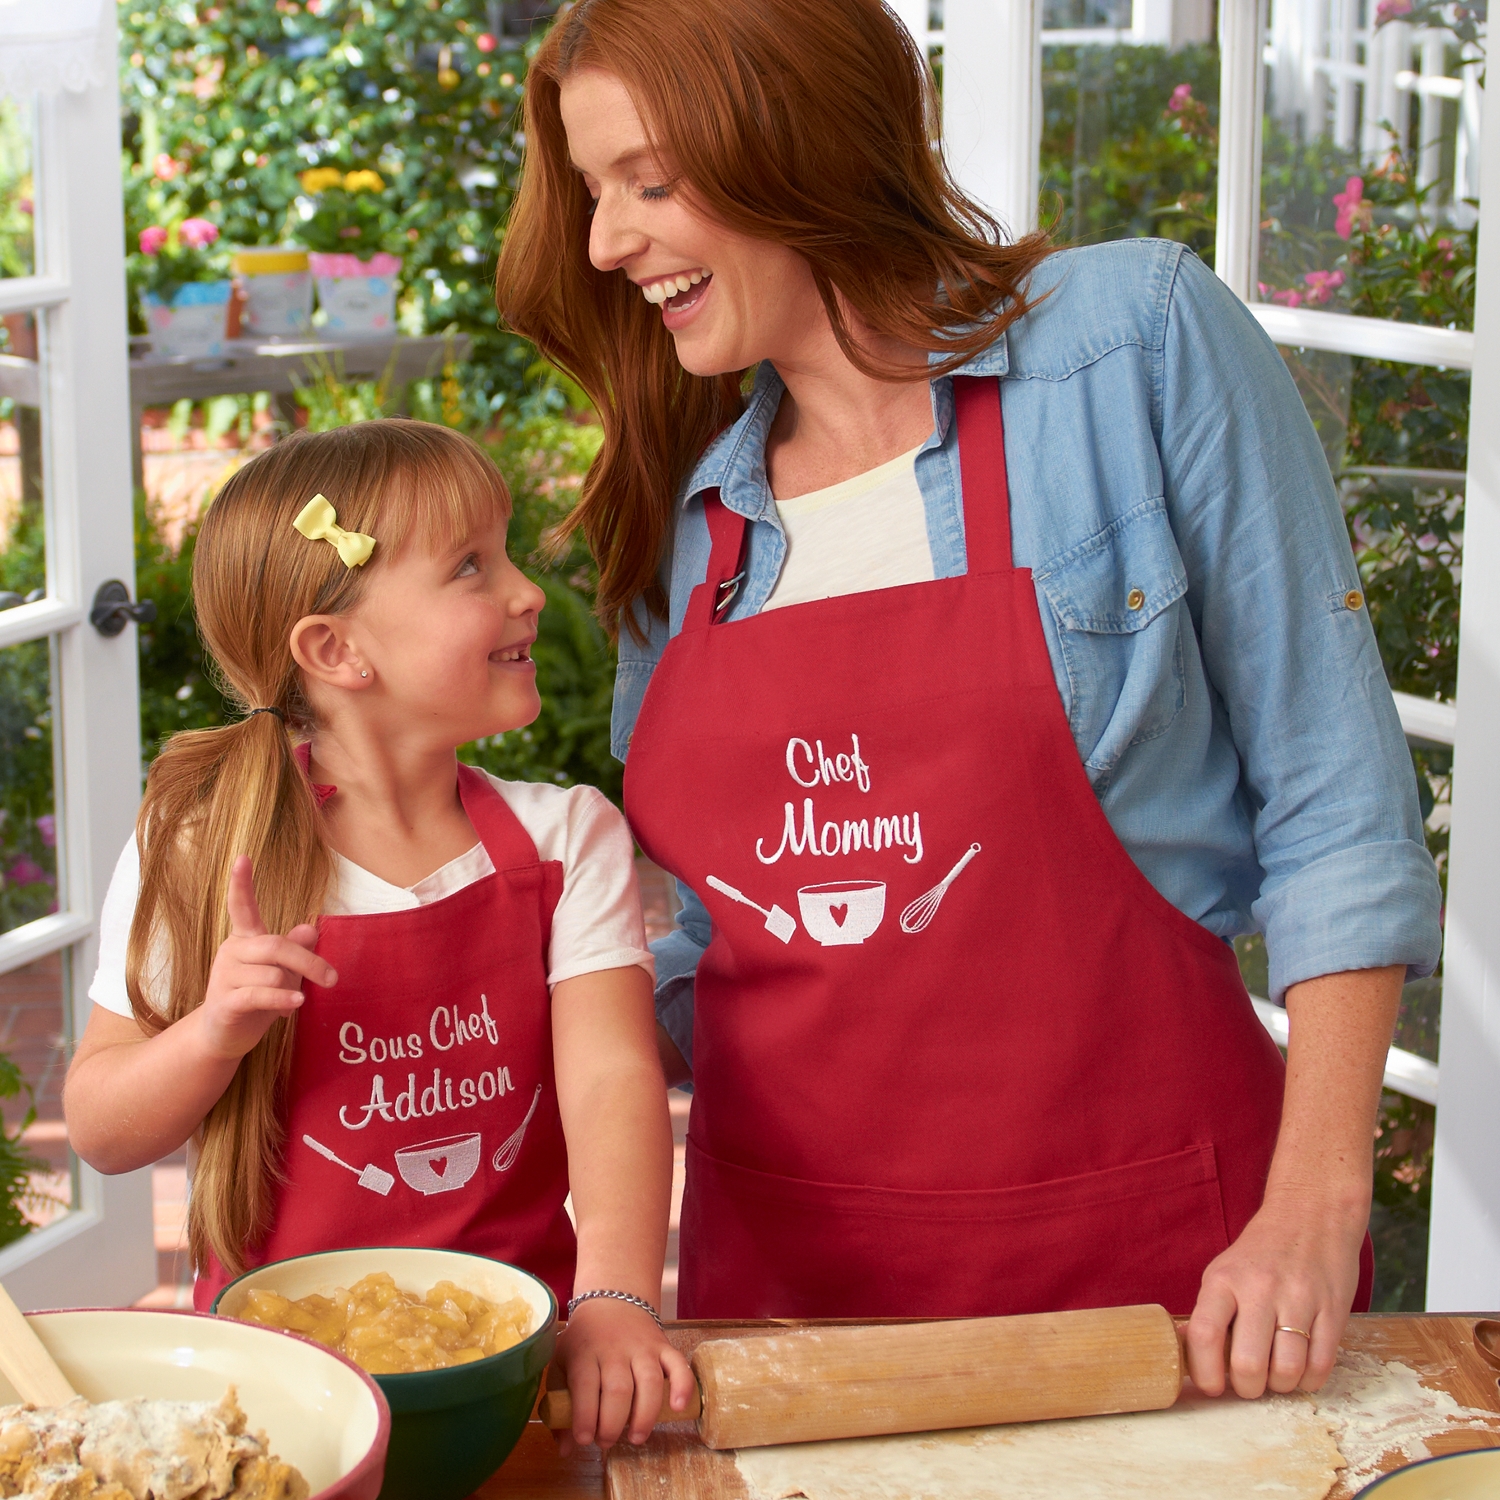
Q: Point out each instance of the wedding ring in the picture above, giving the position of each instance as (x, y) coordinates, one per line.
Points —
(1300, 1332)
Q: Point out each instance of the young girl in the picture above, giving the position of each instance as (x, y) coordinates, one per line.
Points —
(424, 1012)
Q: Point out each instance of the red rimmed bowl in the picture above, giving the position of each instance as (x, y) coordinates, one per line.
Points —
(319, 1411)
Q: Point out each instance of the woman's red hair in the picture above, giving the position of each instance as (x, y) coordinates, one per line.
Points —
(813, 123)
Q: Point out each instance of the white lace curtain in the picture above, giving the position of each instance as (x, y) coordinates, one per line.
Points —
(47, 45)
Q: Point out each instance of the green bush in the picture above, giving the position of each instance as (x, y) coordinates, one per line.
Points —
(16, 1163)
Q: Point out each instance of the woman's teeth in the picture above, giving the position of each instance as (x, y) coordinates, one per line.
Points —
(658, 292)
(516, 653)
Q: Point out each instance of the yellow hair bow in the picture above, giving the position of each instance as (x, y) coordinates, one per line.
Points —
(319, 522)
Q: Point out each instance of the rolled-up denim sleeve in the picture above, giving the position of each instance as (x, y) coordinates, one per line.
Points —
(1276, 598)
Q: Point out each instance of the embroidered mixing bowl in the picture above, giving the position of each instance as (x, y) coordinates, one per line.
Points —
(319, 1411)
(450, 1429)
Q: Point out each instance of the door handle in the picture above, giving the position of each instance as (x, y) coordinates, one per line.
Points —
(112, 608)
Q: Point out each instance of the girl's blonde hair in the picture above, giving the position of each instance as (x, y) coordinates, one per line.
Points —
(214, 794)
(812, 125)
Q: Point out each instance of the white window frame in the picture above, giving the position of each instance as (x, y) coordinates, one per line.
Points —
(102, 1253)
(992, 122)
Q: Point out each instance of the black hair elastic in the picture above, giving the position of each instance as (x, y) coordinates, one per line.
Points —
(275, 711)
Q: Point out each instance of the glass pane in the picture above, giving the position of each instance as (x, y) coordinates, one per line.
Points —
(1130, 132)
(1370, 179)
(28, 822)
(17, 207)
(23, 560)
(38, 1174)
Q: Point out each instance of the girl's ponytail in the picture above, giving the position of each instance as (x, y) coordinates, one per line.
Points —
(214, 794)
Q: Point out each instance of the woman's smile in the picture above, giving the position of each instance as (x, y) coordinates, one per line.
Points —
(673, 287)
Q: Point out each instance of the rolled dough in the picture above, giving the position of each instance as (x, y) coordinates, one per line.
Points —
(1277, 1448)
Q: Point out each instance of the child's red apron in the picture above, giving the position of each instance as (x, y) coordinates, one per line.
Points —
(427, 1071)
(1052, 1092)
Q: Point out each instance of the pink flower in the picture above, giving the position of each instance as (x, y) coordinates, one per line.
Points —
(1353, 211)
(1389, 10)
(25, 871)
(1322, 285)
(485, 42)
(1182, 96)
(198, 234)
(165, 167)
(46, 825)
(153, 239)
(1291, 297)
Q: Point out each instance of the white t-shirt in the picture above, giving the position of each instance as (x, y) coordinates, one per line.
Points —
(869, 532)
(597, 923)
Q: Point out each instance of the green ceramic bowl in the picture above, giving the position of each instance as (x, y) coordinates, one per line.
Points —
(450, 1429)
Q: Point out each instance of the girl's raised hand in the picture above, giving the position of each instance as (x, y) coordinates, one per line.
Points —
(614, 1358)
(256, 975)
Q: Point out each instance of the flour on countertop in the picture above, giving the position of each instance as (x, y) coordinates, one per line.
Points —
(1375, 1408)
(1201, 1449)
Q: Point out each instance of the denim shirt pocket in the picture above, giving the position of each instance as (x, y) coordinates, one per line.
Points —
(632, 678)
(1117, 602)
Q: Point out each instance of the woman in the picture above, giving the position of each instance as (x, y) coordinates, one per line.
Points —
(982, 672)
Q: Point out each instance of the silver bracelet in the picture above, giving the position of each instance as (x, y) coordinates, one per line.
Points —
(639, 1302)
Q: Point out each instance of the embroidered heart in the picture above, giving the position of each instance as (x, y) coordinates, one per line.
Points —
(438, 1165)
(838, 910)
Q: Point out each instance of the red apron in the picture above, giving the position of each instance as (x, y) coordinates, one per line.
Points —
(421, 1108)
(1032, 1085)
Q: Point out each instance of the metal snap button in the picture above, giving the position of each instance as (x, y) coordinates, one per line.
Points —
(1134, 599)
(1354, 599)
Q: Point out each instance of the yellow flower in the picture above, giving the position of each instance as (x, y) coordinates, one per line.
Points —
(364, 182)
(315, 179)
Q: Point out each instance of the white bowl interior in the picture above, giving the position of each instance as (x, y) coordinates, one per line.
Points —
(414, 1270)
(315, 1410)
(1463, 1476)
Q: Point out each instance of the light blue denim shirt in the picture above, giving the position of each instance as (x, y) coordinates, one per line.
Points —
(1237, 726)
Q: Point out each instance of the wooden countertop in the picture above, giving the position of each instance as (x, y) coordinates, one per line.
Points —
(674, 1465)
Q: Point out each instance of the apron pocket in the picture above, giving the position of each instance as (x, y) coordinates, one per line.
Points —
(757, 1245)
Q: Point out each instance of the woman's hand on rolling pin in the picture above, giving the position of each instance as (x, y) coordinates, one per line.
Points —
(256, 975)
(614, 1359)
(1295, 1267)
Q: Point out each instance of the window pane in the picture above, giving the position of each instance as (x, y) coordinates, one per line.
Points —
(17, 241)
(28, 823)
(1130, 133)
(1370, 180)
(23, 562)
(38, 1174)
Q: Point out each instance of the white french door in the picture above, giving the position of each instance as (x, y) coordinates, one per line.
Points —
(69, 710)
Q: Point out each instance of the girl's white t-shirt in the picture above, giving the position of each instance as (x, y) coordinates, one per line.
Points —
(869, 532)
(597, 924)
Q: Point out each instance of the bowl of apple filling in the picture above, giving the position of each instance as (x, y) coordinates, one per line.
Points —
(458, 1344)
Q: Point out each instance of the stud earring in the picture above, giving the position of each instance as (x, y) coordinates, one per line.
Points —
(364, 674)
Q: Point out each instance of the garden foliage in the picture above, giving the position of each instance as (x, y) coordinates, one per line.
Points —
(228, 104)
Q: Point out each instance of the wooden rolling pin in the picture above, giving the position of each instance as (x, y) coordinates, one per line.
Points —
(857, 1381)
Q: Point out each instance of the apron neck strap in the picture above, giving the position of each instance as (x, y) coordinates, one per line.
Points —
(981, 460)
(981, 457)
(505, 840)
(729, 537)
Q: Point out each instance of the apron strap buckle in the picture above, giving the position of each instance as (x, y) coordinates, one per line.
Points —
(726, 594)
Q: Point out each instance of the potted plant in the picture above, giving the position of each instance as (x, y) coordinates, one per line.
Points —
(183, 287)
(346, 220)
